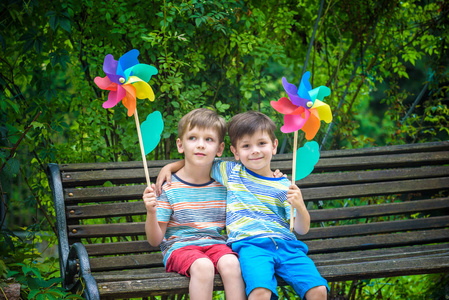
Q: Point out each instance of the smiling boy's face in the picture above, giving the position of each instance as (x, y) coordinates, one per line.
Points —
(255, 152)
(200, 146)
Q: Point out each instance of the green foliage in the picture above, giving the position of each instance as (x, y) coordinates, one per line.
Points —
(20, 261)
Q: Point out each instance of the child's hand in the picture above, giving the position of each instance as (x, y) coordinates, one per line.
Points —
(278, 174)
(164, 176)
(294, 197)
(150, 200)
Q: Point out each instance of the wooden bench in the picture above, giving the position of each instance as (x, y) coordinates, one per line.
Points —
(376, 212)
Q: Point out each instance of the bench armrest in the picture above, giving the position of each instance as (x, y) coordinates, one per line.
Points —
(78, 275)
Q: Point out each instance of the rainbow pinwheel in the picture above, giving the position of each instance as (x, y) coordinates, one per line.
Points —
(126, 79)
(303, 109)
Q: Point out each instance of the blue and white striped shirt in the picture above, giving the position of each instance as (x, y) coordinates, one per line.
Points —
(256, 206)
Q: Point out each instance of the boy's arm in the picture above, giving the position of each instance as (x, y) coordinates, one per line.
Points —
(155, 230)
(165, 174)
(302, 218)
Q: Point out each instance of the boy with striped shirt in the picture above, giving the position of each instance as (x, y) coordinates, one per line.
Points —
(258, 211)
(187, 219)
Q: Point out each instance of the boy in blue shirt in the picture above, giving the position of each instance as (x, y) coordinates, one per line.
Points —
(258, 211)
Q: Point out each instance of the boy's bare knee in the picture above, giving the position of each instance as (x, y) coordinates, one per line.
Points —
(260, 294)
(318, 292)
(202, 267)
(229, 265)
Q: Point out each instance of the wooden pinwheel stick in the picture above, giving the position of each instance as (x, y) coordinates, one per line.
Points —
(144, 159)
(295, 146)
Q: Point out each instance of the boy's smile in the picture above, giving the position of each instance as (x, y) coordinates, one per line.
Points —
(255, 152)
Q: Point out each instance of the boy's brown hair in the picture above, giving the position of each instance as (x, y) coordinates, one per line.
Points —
(202, 118)
(248, 123)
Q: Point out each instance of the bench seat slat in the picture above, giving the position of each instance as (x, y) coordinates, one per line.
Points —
(378, 241)
(377, 210)
(375, 189)
(119, 176)
(138, 208)
(101, 194)
(138, 228)
(376, 228)
(315, 246)
(109, 264)
(340, 272)
(395, 149)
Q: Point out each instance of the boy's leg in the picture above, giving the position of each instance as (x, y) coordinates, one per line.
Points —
(192, 262)
(257, 264)
(201, 285)
(228, 267)
(260, 294)
(317, 293)
(299, 271)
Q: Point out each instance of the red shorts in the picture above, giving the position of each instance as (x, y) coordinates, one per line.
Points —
(181, 259)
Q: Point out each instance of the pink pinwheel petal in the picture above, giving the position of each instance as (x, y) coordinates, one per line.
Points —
(105, 83)
(110, 68)
(284, 106)
(114, 97)
(293, 123)
(299, 111)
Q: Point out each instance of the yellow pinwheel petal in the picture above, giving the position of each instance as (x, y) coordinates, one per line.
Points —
(143, 89)
(324, 111)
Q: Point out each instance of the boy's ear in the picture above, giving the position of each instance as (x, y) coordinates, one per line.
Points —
(179, 145)
(275, 146)
(220, 149)
(234, 151)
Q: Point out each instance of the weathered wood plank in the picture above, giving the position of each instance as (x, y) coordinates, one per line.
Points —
(328, 192)
(138, 228)
(97, 177)
(376, 228)
(374, 189)
(395, 149)
(126, 262)
(377, 210)
(315, 246)
(138, 208)
(108, 266)
(355, 243)
(120, 248)
(373, 269)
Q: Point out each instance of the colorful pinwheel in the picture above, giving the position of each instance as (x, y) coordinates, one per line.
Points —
(126, 79)
(303, 109)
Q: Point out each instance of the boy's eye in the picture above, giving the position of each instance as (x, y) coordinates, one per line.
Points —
(245, 146)
(209, 139)
(192, 138)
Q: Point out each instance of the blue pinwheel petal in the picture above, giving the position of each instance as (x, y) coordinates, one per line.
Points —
(305, 86)
(126, 61)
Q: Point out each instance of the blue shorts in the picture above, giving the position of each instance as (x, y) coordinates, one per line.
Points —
(262, 258)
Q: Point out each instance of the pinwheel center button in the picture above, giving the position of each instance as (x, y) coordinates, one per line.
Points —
(122, 80)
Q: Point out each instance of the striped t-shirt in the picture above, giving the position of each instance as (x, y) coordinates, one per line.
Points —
(196, 214)
(256, 205)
